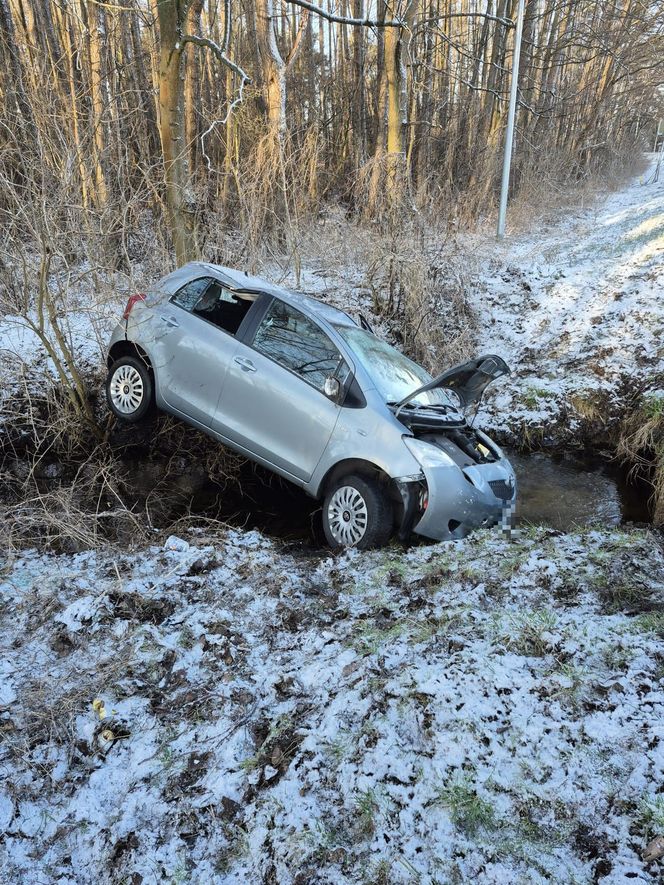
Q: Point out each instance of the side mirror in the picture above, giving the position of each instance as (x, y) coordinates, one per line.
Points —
(366, 325)
(332, 388)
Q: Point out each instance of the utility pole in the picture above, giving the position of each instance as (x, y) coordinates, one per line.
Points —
(511, 114)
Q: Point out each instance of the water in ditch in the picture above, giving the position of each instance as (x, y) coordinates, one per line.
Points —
(559, 492)
(566, 493)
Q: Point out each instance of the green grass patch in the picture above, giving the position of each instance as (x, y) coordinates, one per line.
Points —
(650, 813)
(468, 811)
(532, 395)
(527, 632)
(650, 622)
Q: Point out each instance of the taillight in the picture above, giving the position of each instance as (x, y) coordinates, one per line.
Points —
(140, 296)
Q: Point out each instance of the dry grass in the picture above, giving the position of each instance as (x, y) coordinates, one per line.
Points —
(421, 289)
(590, 405)
(277, 191)
(65, 490)
(548, 186)
(85, 513)
(641, 445)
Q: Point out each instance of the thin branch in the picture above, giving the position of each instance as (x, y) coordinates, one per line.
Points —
(345, 20)
(236, 101)
(218, 51)
(507, 22)
(304, 20)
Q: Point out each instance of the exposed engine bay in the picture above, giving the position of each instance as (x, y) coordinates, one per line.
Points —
(463, 445)
(448, 430)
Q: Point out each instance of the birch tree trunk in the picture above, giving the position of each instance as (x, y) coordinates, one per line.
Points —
(273, 68)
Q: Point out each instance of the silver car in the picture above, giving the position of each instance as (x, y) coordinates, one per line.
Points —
(299, 387)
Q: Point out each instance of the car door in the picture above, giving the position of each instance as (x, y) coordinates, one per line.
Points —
(273, 403)
(193, 351)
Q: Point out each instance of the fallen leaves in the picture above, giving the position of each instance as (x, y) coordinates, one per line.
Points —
(654, 849)
(99, 708)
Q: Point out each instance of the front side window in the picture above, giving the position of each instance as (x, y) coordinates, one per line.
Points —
(295, 342)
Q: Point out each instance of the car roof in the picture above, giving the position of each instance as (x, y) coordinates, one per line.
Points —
(240, 281)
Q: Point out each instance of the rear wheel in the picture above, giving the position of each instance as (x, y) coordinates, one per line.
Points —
(357, 512)
(129, 389)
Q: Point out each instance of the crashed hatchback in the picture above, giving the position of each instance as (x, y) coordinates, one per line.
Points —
(299, 387)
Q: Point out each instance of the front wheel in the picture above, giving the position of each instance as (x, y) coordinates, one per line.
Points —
(129, 389)
(357, 513)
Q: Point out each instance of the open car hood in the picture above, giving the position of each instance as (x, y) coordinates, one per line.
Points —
(468, 380)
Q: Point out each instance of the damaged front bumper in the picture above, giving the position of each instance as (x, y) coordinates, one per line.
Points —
(462, 499)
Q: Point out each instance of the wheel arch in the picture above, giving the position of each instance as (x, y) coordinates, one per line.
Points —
(358, 467)
(128, 348)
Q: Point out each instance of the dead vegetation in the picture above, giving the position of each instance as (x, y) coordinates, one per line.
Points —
(68, 490)
(641, 444)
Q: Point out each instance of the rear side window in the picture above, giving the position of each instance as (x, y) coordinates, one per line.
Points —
(211, 301)
(224, 308)
(189, 294)
(295, 342)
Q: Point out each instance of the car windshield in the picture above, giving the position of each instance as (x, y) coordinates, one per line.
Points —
(394, 375)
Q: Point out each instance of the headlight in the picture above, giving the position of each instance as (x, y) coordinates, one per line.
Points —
(486, 441)
(427, 454)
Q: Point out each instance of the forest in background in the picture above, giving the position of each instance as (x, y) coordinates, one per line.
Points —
(251, 115)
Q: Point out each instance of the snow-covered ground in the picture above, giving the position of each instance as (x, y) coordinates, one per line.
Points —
(577, 310)
(213, 710)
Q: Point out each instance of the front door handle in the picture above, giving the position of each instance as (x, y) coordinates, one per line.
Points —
(245, 364)
(170, 321)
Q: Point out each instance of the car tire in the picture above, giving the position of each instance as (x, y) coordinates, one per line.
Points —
(357, 512)
(130, 389)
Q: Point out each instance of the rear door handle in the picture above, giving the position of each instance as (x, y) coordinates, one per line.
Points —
(170, 321)
(245, 364)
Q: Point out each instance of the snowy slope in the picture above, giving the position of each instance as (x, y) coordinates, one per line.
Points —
(577, 310)
(480, 711)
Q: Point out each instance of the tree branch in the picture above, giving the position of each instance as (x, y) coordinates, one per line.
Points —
(345, 20)
(218, 51)
(492, 18)
(304, 20)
